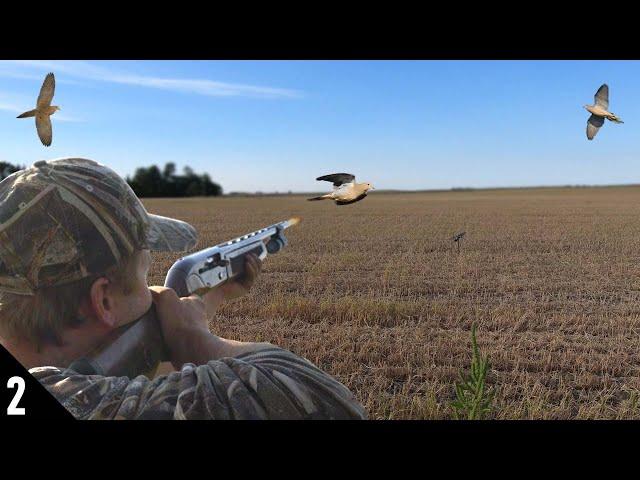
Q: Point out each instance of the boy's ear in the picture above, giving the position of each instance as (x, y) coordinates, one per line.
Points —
(101, 302)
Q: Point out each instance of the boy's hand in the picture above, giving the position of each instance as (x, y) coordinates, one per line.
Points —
(183, 322)
(242, 285)
(186, 330)
(178, 314)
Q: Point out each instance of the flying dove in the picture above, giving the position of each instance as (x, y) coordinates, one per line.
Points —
(345, 189)
(599, 111)
(43, 110)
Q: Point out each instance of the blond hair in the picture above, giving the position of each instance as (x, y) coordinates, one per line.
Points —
(41, 318)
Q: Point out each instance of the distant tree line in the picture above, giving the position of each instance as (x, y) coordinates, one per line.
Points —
(152, 182)
(7, 169)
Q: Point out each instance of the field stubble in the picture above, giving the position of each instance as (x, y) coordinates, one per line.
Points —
(376, 294)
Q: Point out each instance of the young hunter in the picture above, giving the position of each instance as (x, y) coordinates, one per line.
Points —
(74, 259)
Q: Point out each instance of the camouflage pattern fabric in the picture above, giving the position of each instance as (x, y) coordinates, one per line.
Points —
(67, 219)
(268, 384)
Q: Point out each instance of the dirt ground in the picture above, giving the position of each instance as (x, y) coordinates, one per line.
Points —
(376, 294)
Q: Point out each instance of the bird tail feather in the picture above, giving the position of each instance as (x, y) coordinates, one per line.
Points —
(321, 197)
(30, 113)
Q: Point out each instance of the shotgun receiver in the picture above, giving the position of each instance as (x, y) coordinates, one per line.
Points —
(138, 348)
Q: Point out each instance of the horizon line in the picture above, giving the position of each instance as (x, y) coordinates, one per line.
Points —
(437, 190)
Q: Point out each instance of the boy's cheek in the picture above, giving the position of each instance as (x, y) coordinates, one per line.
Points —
(136, 305)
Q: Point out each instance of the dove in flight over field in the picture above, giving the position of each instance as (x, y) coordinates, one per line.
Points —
(599, 111)
(44, 110)
(345, 189)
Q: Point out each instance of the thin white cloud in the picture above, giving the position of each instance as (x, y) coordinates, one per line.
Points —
(66, 118)
(91, 71)
(9, 71)
(7, 107)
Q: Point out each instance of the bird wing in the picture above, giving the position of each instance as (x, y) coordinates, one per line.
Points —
(593, 125)
(343, 191)
(602, 96)
(47, 91)
(43, 125)
(338, 178)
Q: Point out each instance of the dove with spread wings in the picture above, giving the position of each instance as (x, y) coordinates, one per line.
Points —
(345, 189)
(44, 110)
(599, 111)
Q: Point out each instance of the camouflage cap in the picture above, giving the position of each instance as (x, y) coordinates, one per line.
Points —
(67, 219)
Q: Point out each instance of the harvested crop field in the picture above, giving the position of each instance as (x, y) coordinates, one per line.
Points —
(376, 294)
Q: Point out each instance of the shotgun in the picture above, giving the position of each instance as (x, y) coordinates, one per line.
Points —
(138, 347)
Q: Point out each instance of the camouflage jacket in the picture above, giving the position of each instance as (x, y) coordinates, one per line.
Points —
(268, 384)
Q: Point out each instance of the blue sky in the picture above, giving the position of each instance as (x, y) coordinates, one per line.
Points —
(276, 125)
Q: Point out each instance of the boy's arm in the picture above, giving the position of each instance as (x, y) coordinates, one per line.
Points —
(185, 326)
(268, 384)
(200, 349)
